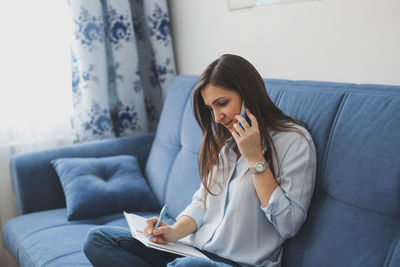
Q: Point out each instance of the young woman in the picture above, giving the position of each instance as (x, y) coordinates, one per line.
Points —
(257, 180)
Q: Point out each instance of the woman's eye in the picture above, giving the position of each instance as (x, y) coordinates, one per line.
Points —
(223, 103)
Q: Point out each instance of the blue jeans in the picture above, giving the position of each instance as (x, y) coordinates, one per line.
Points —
(114, 246)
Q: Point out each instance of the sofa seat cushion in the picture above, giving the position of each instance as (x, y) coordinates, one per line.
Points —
(52, 240)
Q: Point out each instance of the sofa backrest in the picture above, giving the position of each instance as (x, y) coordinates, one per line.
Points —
(172, 163)
(354, 217)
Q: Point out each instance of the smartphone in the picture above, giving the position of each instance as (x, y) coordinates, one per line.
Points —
(244, 115)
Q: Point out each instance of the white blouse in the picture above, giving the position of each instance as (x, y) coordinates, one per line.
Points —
(234, 225)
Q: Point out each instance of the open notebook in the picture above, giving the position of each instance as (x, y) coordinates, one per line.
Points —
(182, 247)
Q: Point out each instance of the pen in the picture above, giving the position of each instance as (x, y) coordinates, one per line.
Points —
(160, 218)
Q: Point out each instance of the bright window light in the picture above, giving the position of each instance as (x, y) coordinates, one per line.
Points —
(35, 88)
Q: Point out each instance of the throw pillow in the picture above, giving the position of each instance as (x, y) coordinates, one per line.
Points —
(96, 187)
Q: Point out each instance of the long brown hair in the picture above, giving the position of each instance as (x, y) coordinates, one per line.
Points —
(236, 73)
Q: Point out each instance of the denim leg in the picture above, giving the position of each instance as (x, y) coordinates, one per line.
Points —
(114, 246)
(196, 262)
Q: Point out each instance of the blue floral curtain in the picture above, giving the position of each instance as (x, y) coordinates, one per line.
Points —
(122, 65)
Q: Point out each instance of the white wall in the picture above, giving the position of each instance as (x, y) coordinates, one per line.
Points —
(329, 40)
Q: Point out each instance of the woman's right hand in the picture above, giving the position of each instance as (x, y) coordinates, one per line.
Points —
(163, 234)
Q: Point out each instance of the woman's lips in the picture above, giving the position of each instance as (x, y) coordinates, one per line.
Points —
(228, 124)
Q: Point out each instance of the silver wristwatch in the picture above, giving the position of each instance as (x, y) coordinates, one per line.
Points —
(259, 167)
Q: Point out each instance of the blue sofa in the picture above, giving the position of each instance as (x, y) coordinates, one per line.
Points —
(354, 218)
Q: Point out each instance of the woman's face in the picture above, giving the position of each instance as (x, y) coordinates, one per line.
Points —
(223, 103)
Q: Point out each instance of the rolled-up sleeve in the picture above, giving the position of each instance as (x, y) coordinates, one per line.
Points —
(288, 204)
(196, 208)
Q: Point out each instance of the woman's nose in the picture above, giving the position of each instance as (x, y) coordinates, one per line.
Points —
(218, 116)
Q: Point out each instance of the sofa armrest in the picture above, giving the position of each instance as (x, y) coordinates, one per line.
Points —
(36, 184)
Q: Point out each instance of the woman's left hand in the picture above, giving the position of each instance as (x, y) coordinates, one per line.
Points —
(248, 138)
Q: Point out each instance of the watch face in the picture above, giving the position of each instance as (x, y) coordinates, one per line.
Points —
(259, 167)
